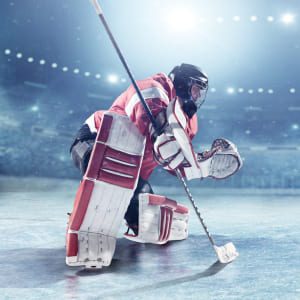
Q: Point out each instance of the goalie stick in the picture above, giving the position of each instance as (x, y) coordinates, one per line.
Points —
(226, 253)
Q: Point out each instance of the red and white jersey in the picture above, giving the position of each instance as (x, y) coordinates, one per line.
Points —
(158, 91)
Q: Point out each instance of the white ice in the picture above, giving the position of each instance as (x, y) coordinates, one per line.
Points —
(264, 225)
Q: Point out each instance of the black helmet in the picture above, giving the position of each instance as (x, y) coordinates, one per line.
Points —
(184, 77)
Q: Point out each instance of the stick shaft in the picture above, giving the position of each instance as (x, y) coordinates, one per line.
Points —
(138, 91)
(189, 194)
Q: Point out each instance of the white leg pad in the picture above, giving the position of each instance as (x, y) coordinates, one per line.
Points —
(160, 220)
(179, 229)
(104, 193)
(96, 249)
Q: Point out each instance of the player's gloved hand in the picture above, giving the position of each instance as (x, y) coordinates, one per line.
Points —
(221, 161)
(167, 151)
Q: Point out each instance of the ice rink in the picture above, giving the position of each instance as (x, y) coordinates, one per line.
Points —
(264, 225)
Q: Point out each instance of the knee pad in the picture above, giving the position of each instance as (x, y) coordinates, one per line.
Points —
(160, 220)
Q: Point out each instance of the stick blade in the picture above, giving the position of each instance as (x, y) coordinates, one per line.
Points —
(226, 253)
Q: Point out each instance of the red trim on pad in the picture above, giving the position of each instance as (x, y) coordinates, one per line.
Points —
(118, 180)
(81, 203)
(165, 223)
(95, 161)
(104, 129)
(181, 209)
(125, 157)
(72, 244)
(161, 200)
(115, 179)
(120, 168)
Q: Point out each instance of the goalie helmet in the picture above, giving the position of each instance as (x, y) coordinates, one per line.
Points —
(185, 78)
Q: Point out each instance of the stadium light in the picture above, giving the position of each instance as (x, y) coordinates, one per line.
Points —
(7, 52)
(112, 78)
(230, 90)
(287, 18)
(34, 108)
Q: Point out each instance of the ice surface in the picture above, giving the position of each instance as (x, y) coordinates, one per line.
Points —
(263, 225)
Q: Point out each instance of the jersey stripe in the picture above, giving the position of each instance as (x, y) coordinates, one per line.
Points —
(153, 92)
(90, 121)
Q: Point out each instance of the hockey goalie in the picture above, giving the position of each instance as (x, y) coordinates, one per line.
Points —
(116, 152)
